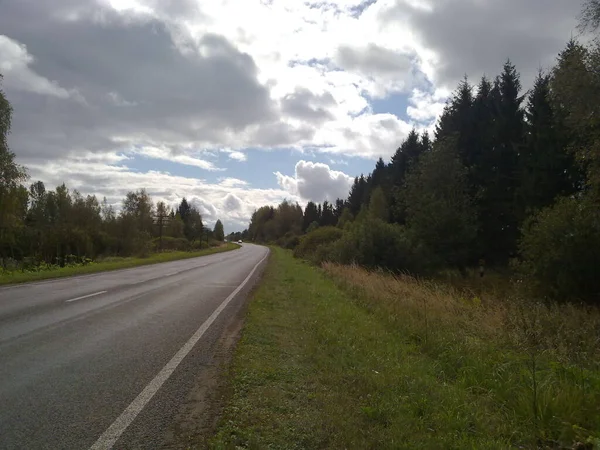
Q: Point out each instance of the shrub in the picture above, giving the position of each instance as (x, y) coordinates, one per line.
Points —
(172, 244)
(310, 243)
(289, 241)
(374, 243)
(560, 250)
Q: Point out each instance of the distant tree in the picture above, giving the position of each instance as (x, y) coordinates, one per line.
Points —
(440, 214)
(175, 226)
(378, 208)
(259, 229)
(288, 219)
(345, 218)
(547, 169)
(162, 218)
(311, 214)
(312, 227)
(407, 154)
(589, 20)
(338, 208)
(357, 195)
(327, 215)
(194, 227)
(138, 205)
(575, 87)
(192, 220)
(219, 232)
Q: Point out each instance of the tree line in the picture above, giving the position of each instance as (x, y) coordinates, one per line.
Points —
(59, 226)
(510, 179)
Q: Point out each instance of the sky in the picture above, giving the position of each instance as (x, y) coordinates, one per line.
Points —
(235, 104)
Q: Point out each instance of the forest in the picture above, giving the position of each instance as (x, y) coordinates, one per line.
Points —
(509, 181)
(50, 228)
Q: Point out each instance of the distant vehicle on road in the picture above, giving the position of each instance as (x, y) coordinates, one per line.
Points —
(240, 241)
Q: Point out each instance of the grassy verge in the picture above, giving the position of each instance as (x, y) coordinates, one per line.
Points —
(110, 264)
(344, 358)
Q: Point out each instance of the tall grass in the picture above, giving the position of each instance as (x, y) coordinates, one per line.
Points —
(537, 364)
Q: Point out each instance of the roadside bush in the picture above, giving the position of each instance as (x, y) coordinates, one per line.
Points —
(374, 243)
(289, 241)
(172, 244)
(560, 250)
(312, 241)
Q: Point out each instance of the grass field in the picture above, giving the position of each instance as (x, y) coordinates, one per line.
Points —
(344, 358)
(112, 263)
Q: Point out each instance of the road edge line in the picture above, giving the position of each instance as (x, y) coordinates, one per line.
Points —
(118, 427)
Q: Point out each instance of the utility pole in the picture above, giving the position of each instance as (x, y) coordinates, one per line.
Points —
(162, 215)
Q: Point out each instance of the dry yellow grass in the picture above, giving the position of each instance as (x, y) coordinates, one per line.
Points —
(538, 362)
(570, 332)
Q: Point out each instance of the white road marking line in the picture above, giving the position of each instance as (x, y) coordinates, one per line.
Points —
(86, 296)
(114, 431)
(171, 274)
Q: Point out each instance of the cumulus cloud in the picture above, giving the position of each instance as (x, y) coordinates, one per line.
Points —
(232, 203)
(106, 176)
(315, 182)
(306, 105)
(425, 107)
(238, 156)
(141, 83)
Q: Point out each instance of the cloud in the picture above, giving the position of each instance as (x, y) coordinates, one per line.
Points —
(174, 155)
(375, 60)
(425, 107)
(105, 176)
(237, 156)
(15, 64)
(232, 203)
(306, 105)
(141, 83)
(476, 37)
(232, 182)
(315, 182)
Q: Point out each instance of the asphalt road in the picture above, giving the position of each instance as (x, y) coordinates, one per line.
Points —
(106, 360)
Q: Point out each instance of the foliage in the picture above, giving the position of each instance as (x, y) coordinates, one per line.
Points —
(219, 231)
(560, 250)
(440, 213)
(375, 243)
(310, 243)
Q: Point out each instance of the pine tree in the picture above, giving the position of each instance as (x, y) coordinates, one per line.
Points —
(219, 231)
(440, 213)
(407, 154)
(547, 170)
(311, 214)
(575, 87)
(357, 195)
(499, 212)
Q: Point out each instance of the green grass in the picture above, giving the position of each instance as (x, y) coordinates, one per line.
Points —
(336, 358)
(112, 263)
